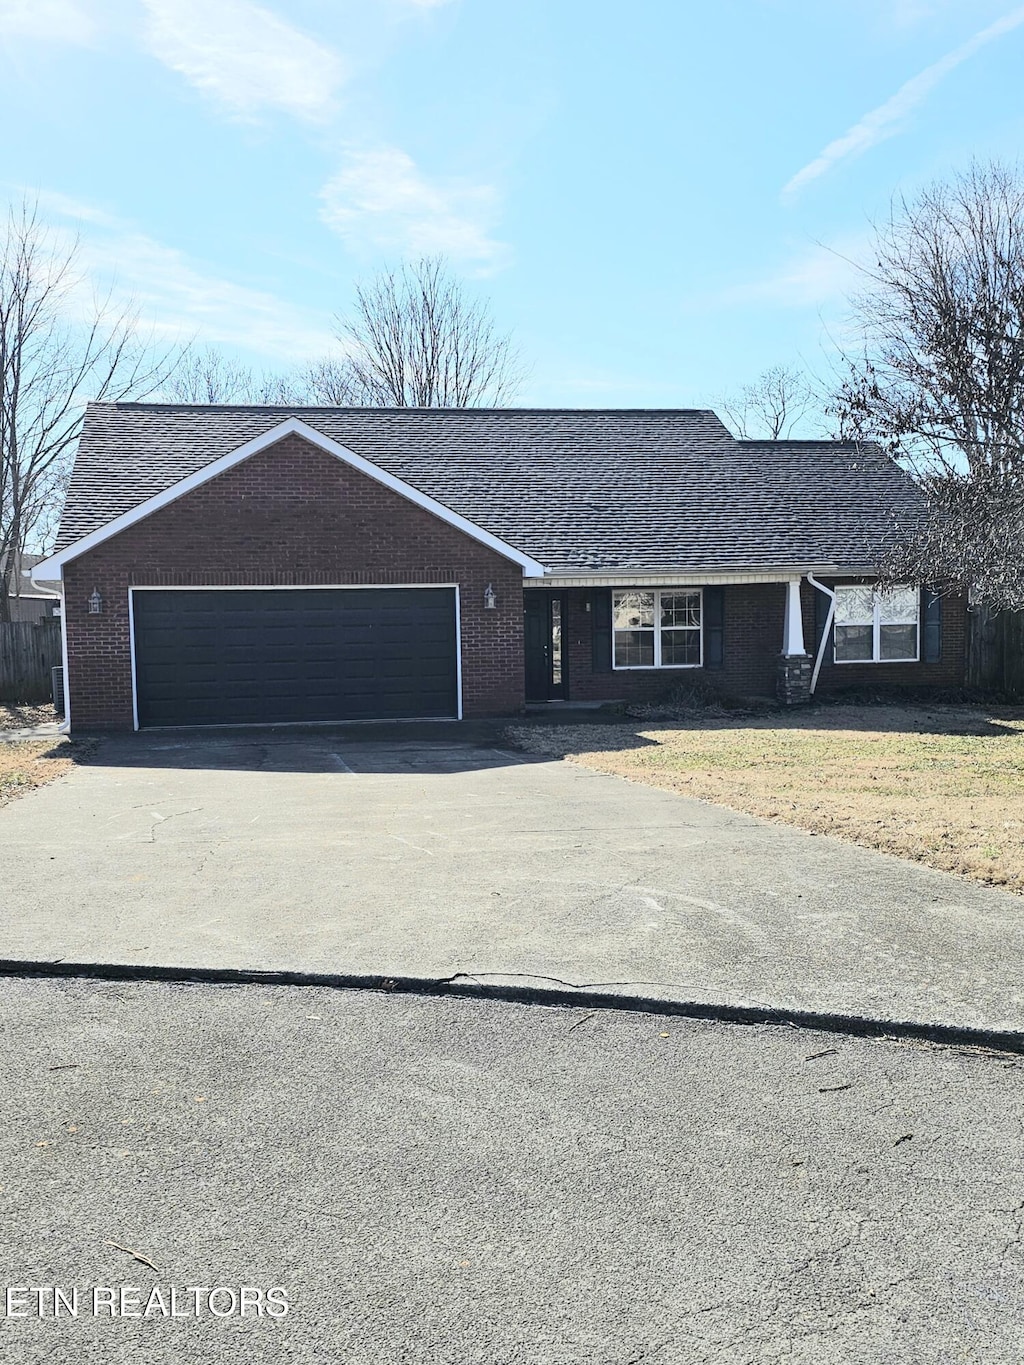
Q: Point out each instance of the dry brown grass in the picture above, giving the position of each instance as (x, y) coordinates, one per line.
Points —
(16, 717)
(942, 785)
(27, 764)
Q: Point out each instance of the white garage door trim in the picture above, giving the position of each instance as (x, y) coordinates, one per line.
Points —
(290, 587)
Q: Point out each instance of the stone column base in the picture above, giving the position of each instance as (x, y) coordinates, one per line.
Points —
(793, 680)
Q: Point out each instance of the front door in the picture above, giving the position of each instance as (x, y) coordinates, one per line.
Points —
(545, 622)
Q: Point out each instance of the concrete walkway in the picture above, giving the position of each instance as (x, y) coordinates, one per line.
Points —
(425, 854)
(49, 730)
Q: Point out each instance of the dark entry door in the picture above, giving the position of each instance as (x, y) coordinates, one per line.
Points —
(277, 655)
(545, 641)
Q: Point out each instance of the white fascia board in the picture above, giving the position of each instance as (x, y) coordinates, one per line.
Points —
(637, 578)
(291, 427)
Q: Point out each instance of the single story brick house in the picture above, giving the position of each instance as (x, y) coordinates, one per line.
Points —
(258, 565)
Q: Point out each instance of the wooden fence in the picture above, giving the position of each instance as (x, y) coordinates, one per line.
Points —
(29, 650)
(995, 651)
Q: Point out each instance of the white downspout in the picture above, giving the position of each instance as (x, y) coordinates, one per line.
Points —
(826, 632)
(65, 727)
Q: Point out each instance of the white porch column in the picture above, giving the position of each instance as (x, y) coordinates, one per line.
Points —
(793, 629)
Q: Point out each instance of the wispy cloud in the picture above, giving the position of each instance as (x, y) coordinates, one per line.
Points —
(907, 13)
(175, 296)
(884, 122)
(381, 199)
(62, 21)
(244, 57)
(812, 278)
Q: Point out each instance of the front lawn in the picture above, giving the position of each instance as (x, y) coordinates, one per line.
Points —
(27, 764)
(942, 785)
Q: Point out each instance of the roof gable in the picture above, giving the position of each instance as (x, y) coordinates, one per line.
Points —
(291, 426)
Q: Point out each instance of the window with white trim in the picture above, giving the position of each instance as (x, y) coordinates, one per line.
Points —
(654, 628)
(875, 626)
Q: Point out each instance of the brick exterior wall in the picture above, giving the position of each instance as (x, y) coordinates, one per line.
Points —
(753, 622)
(289, 516)
(753, 638)
(948, 671)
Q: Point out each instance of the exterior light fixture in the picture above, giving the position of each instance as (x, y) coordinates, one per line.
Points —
(95, 602)
(490, 598)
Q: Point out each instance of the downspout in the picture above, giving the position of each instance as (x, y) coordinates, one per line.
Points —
(823, 643)
(65, 727)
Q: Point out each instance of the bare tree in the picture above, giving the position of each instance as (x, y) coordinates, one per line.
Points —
(51, 362)
(205, 375)
(327, 383)
(417, 339)
(778, 400)
(414, 338)
(940, 377)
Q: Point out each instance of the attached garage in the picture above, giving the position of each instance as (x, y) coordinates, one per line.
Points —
(266, 656)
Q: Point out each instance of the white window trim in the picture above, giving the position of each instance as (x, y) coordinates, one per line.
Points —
(658, 666)
(876, 629)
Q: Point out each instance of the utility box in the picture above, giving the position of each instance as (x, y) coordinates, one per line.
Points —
(57, 688)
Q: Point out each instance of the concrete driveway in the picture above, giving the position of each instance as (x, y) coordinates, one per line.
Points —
(427, 853)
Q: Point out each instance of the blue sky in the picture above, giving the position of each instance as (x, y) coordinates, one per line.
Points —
(658, 199)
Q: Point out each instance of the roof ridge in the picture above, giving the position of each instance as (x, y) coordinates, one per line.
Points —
(321, 407)
(859, 443)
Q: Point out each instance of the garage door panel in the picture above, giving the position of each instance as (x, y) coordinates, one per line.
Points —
(221, 657)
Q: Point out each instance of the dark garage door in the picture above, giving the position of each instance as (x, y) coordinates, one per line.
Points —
(274, 655)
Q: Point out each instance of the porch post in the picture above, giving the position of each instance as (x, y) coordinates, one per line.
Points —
(793, 629)
(794, 676)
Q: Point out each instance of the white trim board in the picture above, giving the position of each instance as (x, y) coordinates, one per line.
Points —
(287, 587)
(293, 426)
(677, 578)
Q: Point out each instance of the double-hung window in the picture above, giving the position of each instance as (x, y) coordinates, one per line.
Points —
(874, 626)
(657, 629)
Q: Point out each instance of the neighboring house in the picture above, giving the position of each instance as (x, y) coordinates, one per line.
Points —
(239, 565)
(25, 601)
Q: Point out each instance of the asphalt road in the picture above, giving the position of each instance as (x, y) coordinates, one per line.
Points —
(429, 854)
(436, 1181)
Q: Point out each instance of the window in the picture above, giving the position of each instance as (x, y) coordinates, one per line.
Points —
(877, 627)
(657, 629)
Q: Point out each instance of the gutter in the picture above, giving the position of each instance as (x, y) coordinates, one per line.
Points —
(675, 577)
(826, 632)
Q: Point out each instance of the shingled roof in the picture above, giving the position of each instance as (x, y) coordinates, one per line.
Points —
(582, 491)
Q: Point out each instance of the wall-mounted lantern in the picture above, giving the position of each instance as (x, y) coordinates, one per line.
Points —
(95, 602)
(490, 598)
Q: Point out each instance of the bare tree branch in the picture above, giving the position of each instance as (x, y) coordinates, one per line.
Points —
(325, 383)
(204, 375)
(940, 375)
(770, 408)
(416, 339)
(51, 364)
